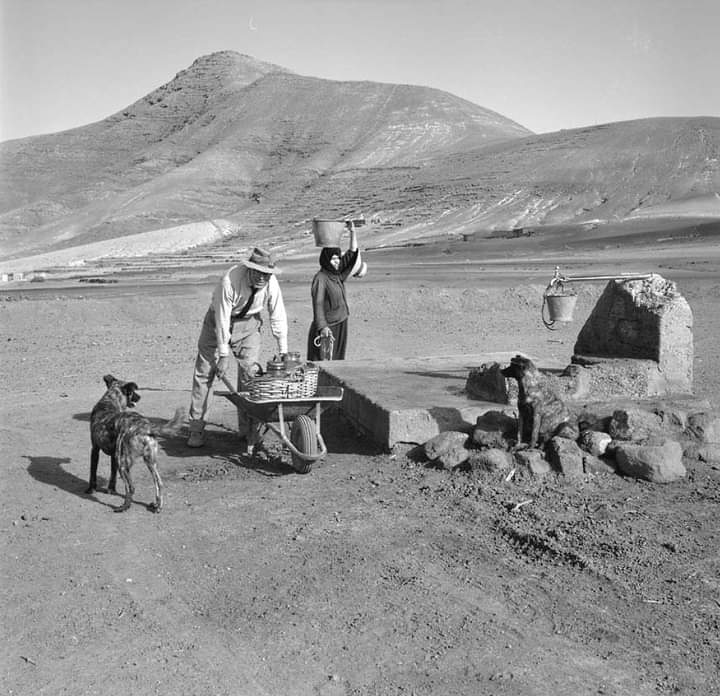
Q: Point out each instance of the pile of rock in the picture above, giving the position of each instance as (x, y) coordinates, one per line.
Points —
(649, 441)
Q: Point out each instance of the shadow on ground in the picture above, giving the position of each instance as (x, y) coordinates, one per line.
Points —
(49, 470)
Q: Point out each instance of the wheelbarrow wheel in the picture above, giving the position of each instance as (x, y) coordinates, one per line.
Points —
(303, 439)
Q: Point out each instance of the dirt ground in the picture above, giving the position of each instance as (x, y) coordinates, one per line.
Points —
(374, 573)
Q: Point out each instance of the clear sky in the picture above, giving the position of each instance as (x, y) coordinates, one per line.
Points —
(547, 64)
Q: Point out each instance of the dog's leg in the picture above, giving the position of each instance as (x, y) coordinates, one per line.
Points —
(150, 457)
(129, 488)
(520, 427)
(535, 435)
(112, 483)
(94, 457)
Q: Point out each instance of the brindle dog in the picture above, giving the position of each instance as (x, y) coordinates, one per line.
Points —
(126, 437)
(542, 414)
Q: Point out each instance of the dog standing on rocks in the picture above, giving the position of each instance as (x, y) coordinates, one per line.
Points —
(126, 437)
(542, 414)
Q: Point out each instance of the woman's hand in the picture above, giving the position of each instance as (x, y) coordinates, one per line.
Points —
(353, 235)
(325, 333)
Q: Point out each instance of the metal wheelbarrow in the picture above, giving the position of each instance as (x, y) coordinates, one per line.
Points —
(303, 438)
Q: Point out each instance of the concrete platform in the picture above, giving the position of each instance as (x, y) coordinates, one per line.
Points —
(396, 400)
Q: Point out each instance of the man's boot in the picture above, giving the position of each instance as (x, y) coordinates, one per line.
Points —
(197, 434)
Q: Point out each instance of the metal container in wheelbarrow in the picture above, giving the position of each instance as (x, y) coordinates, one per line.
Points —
(303, 438)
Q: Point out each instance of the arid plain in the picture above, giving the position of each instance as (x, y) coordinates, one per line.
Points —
(375, 573)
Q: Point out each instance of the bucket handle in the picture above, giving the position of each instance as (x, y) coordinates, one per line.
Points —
(549, 323)
(325, 346)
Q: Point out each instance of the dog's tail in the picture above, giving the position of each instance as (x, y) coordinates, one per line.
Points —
(175, 424)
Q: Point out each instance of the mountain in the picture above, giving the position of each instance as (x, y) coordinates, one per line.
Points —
(252, 151)
(200, 146)
(668, 166)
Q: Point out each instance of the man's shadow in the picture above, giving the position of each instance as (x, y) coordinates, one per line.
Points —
(50, 471)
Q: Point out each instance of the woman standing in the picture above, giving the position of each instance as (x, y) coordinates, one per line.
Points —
(330, 307)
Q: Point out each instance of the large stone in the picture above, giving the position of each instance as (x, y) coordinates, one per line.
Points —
(596, 465)
(533, 461)
(594, 442)
(565, 456)
(634, 424)
(487, 384)
(494, 429)
(658, 463)
(491, 459)
(702, 435)
(704, 427)
(644, 320)
(447, 448)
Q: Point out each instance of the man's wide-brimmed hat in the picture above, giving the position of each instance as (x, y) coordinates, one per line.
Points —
(262, 260)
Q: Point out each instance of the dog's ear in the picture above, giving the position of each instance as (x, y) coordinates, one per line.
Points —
(109, 380)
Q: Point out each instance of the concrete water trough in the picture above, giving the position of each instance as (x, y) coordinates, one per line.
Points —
(398, 400)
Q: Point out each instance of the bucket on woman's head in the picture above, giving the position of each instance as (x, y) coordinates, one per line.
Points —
(561, 307)
(328, 233)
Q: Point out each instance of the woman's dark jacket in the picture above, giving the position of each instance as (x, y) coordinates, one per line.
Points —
(328, 288)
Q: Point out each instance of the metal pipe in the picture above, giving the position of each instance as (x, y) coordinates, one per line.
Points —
(557, 278)
(572, 279)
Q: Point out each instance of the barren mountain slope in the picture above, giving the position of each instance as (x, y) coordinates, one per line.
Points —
(604, 172)
(200, 146)
(666, 167)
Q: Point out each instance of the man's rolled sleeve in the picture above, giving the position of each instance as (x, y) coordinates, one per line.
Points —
(278, 316)
(222, 304)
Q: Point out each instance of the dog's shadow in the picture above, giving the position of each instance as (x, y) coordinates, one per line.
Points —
(50, 471)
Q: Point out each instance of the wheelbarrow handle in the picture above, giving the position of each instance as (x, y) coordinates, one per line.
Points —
(229, 384)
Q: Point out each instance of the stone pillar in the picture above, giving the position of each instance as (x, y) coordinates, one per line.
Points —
(645, 320)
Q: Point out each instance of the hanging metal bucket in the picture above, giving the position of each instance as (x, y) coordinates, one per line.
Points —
(328, 233)
(560, 307)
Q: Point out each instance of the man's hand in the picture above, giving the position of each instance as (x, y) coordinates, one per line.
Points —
(222, 366)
